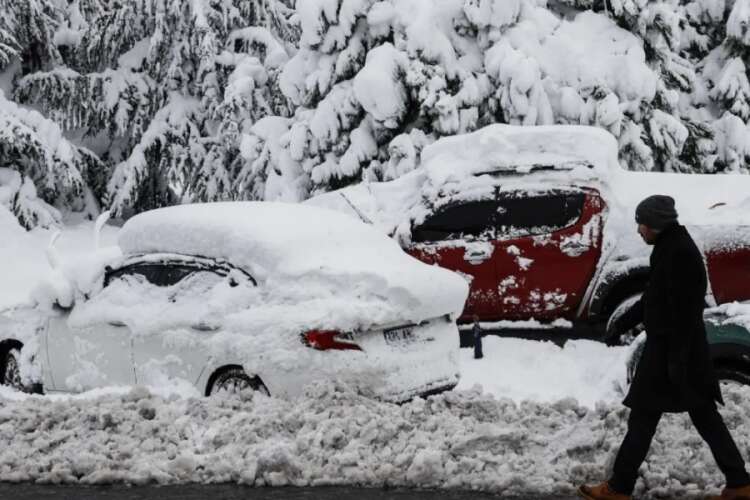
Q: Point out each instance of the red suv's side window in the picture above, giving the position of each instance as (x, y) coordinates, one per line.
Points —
(520, 215)
(456, 221)
(461, 237)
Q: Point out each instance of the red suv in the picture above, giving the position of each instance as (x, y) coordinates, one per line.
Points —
(540, 221)
(523, 251)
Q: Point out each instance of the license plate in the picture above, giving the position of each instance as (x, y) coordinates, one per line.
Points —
(403, 335)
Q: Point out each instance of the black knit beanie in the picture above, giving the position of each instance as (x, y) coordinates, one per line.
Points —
(656, 212)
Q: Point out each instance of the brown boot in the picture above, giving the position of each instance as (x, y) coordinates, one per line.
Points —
(741, 493)
(601, 492)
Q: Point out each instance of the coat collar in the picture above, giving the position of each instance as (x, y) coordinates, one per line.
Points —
(668, 231)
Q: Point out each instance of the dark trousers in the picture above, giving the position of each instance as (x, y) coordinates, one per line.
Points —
(709, 424)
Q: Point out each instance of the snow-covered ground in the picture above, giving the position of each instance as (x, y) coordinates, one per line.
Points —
(462, 439)
(521, 370)
(530, 417)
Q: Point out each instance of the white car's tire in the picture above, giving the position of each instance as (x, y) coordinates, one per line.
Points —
(233, 380)
(11, 375)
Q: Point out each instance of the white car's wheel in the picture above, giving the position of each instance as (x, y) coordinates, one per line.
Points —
(233, 380)
(11, 375)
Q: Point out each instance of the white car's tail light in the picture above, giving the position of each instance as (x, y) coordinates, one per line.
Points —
(324, 340)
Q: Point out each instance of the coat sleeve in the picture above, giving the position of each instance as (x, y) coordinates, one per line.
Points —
(631, 318)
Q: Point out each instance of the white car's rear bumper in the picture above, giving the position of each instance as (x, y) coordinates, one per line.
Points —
(389, 367)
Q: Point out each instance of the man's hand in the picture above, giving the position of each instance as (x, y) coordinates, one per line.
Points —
(622, 335)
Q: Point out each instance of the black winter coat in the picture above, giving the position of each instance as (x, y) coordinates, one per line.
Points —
(675, 372)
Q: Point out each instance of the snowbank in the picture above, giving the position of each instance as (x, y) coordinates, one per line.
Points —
(462, 439)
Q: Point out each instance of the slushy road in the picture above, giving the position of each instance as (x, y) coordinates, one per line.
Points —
(26, 491)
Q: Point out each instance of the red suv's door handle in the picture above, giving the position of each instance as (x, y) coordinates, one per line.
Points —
(475, 255)
(574, 247)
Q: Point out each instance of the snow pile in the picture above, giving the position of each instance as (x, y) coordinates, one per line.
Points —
(462, 439)
(278, 243)
(734, 313)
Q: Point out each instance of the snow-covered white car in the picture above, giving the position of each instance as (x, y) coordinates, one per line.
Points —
(232, 295)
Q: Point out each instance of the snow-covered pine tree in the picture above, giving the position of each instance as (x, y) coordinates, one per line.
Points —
(725, 70)
(697, 47)
(160, 89)
(27, 31)
(376, 81)
(653, 135)
(40, 169)
(366, 75)
(276, 99)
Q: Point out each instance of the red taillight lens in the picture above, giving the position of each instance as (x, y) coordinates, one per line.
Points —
(327, 339)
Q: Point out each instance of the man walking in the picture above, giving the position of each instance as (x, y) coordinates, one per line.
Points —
(675, 372)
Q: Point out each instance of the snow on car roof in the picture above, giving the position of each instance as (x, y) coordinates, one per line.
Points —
(279, 241)
(261, 237)
(499, 147)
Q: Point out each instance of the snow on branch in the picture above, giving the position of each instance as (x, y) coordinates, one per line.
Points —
(36, 158)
